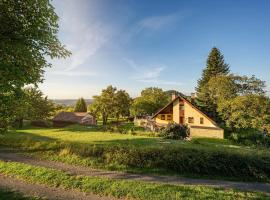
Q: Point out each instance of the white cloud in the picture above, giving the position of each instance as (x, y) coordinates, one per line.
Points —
(84, 35)
(156, 23)
(149, 74)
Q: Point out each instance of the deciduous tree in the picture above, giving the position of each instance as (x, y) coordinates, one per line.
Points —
(28, 36)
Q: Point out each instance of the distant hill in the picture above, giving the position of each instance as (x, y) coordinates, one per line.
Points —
(70, 102)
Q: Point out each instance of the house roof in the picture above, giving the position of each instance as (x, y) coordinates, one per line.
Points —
(74, 117)
(187, 101)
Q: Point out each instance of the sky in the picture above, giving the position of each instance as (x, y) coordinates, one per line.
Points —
(134, 44)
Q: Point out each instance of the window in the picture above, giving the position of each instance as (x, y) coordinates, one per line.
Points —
(191, 120)
(201, 120)
(181, 107)
(169, 117)
(162, 117)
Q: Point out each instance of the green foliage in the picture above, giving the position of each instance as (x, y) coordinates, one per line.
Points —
(80, 106)
(120, 188)
(174, 131)
(28, 35)
(251, 137)
(249, 111)
(215, 66)
(32, 105)
(150, 101)
(111, 103)
(214, 158)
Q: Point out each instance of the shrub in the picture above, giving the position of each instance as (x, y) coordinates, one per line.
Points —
(251, 137)
(174, 131)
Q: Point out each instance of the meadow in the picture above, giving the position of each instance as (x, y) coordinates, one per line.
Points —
(135, 150)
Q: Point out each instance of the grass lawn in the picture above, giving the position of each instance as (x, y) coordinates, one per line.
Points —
(95, 136)
(119, 188)
(141, 152)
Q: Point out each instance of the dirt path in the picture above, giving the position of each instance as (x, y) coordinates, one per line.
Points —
(7, 155)
(43, 191)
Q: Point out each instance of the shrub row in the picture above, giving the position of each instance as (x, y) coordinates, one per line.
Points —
(180, 160)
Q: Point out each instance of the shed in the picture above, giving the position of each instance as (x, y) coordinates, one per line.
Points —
(68, 118)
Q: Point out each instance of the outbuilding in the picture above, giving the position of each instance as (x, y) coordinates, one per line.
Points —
(68, 118)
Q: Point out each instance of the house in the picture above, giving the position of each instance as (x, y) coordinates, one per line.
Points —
(182, 111)
(67, 118)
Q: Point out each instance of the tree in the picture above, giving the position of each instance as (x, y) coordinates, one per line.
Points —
(248, 111)
(80, 106)
(32, 106)
(122, 104)
(223, 88)
(28, 35)
(215, 66)
(111, 103)
(150, 101)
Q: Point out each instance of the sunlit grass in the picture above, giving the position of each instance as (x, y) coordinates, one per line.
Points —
(121, 188)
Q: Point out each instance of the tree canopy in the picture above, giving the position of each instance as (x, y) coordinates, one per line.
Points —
(150, 101)
(28, 37)
(80, 105)
(111, 103)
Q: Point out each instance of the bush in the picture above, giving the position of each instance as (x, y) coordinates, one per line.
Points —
(251, 137)
(186, 159)
(174, 131)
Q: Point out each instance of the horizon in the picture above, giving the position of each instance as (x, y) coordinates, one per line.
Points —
(133, 45)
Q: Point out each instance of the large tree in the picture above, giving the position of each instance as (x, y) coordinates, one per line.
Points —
(28, 36)
(150, 101)
(33, 105)
(247, 111)
(111, 103)
(215, 66)
(80, 105)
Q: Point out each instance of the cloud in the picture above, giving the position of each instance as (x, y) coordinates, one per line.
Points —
(149, 74)
(156, 23)
(82, 33)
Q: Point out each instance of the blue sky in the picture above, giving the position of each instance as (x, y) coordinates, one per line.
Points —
(133, 44)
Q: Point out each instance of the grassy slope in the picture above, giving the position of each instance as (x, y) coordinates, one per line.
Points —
(54, 144)
(118, 188)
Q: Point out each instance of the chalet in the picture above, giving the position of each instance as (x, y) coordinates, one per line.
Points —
(182, 111)
(68, 118)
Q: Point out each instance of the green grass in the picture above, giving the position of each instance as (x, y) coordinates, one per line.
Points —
(120, 188)
(143, 153)
(11, 195)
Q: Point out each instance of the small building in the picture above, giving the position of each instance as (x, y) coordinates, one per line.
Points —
(68, 118)
(182, 111)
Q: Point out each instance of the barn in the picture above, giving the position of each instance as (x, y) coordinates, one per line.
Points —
(68, 118)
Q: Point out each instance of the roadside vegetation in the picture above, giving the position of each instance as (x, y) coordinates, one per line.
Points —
(143, 152)
(120, 188)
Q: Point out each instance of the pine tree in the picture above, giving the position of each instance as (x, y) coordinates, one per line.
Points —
(215, 66)
(80, 106)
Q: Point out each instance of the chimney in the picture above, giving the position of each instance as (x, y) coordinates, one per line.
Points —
(173, 96)
(192, 97)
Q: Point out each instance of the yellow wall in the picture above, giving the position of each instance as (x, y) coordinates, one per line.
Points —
(190, 111)
(166, 121)
(204, 132)
(176, 117)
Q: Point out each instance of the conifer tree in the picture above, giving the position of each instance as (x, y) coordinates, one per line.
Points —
(80, 106)
(215, 66)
